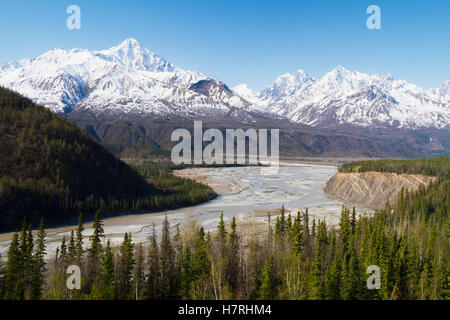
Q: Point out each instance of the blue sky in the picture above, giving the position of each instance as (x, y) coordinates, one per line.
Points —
(246, 41)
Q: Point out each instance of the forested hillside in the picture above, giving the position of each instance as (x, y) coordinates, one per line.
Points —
(439, 167)
(49, 168)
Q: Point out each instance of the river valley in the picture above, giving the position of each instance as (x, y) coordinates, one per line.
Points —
(244, 193)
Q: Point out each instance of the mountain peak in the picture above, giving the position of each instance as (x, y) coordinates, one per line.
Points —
(298, 77)
(128, 45)
(340, 70)
(301, 76)
(130, 53)
(287, 83)
(129, 42)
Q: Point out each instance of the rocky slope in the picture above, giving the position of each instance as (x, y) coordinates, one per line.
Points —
(372, 189)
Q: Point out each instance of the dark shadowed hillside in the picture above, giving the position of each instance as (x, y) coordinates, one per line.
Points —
(146, 136)
(50, 168)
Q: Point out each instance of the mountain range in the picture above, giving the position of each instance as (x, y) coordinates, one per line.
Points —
(130, 82)
(126, 79)
(350, 97)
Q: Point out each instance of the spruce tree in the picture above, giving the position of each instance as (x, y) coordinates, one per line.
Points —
(28, 264)
(281, 224)
(138, 273)
(267, 288)
(178, 251)
(233, 263)
(71, 249)
(39, 268)
(317, 286)
(63, 254)
(200, 260)
(79, 239)
(333, 279)
(167, 261)
(126, 265)
(95, 251)
(221, 230)
(297, 236)
(12, 276)
(24, 261)
(317, 278)
(108, 273)
(186, 273)
(152, 287)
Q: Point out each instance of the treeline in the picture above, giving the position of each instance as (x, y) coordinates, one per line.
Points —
(49, 168)
(173, 191)
(439, 167)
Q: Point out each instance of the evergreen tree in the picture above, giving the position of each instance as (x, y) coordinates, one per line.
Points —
(28, 264)
(317, 287)
(95, 251)
(63, 254)
(186, 273)
(221, 230)
(317, 277)
(152, 287)
(24, 260)
(267, 288)
(200, 263)
(39, 268)
(72, 249)
(233, 262)
(79, 239)
(333, 279)
(281, 224)
(125, 268)
(297, 236)
(179, 253)
(108, 273)
(167, 261)
(138, 274)
(12, 277)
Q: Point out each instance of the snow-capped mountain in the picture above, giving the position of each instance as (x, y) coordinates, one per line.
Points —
(128, 79)
(123, 79)
(344, 97)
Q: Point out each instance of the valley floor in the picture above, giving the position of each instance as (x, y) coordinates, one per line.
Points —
(243, 193)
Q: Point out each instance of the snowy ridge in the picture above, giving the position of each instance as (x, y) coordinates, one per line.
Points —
(129, 79)
(343, 97)
(123, 79)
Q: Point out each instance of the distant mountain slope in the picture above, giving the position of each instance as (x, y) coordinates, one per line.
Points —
(125, 79)
(343, 97)
(48, 167)
(128, 80)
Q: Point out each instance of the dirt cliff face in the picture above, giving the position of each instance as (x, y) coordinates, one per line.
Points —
(372, 189)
